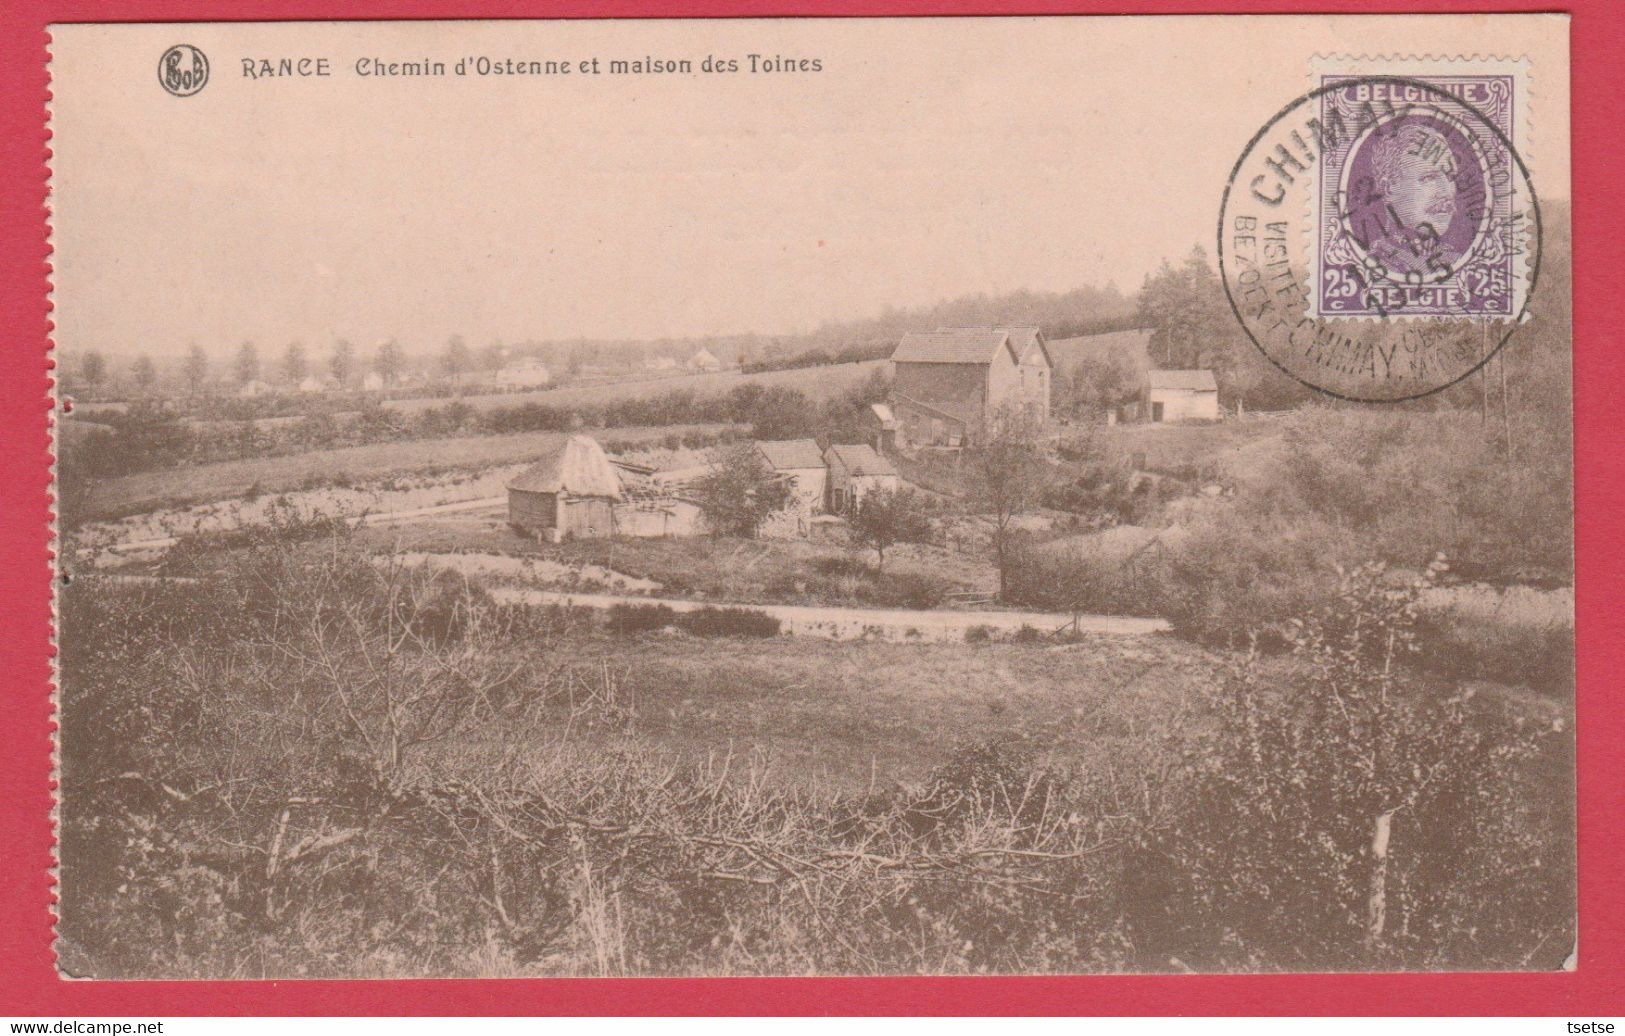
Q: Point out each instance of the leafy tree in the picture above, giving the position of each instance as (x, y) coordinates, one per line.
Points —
(885, 517)
(780, 412)
(389, 362)
(294, 364)
(740, 491)
(493, 356)
(1098, 383)
(143, 373)
(93, 370)
(456, 360)
(1007, 474)
(342, 362)
(196, 368)
(247, 364)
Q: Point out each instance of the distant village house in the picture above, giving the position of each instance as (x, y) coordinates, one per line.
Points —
(703, 360)
(952, 385)
(529, 373)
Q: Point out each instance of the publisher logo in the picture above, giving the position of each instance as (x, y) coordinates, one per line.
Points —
(183, 70)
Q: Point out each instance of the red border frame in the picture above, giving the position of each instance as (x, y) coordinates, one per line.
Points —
(30, 985)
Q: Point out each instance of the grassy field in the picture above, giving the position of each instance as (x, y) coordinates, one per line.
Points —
(1188, 448)
(817, 382)
(766, 571)
(842, 715)
(180, 487)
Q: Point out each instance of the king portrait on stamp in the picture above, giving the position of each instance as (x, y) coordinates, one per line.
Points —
(1419, 211)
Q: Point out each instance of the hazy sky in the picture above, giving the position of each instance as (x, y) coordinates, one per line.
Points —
(928, 159)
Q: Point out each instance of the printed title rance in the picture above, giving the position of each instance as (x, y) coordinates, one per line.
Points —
(372, 67)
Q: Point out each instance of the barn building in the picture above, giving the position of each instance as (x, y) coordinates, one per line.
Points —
(951, 385)
(1181, 396)
(570, 493)
(855, 471)
(801, 462)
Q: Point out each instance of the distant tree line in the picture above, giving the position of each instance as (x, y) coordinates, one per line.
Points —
(151, 435)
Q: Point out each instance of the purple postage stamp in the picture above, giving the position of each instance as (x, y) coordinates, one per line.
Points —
(1417, 211)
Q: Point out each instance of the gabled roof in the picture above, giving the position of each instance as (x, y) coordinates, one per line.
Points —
(1190, 381)
(958, 345)
(1022, 338)
(576, 465)
(787, 454)
(862, 460)
(970, 344)
(883, 413)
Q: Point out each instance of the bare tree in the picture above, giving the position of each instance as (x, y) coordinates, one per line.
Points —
(1007, 475)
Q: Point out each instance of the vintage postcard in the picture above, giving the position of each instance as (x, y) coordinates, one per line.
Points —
(844, 496)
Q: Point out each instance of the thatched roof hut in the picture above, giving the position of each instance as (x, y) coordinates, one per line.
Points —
(570, 492)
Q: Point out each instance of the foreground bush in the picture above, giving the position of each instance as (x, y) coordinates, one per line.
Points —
(1347, 818)
(309, 764)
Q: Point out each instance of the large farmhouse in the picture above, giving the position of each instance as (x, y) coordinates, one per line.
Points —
(954, 384)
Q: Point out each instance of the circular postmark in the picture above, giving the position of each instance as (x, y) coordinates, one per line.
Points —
(183, 70)
(1379, 237)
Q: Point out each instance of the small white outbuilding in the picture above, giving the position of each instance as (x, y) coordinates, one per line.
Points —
(1189, 395)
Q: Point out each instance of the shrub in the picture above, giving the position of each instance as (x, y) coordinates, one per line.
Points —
(640, 618)
(1027, 635)
(1343, 817)
(841, 567)
(728, 622)
(905, 590)
(978, 634)
(1517, 636)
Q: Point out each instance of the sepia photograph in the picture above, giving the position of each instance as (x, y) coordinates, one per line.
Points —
(940, 496)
